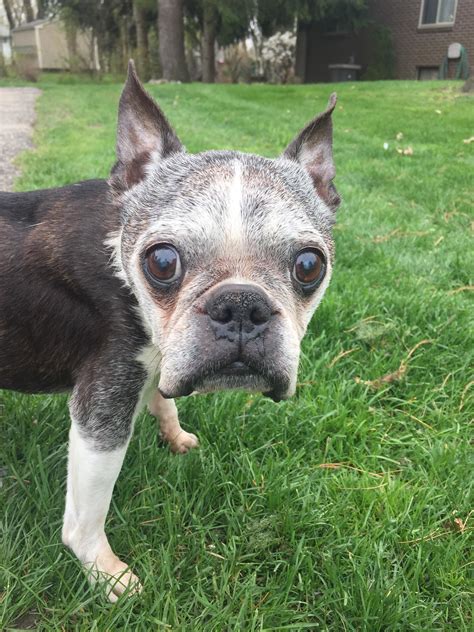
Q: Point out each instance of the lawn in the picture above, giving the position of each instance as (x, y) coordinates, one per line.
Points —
(346, 508)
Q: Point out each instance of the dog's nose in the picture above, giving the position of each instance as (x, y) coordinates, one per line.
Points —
(238, 310)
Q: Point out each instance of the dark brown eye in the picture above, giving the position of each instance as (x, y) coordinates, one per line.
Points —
(309, 268)
(162, 264)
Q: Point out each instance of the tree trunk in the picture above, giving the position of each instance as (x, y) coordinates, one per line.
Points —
(208, 42)
(124, 42)
(142, 41)
(9, 12)
(41, 12)
(30, 16)
(301, 52)
(171, 40)
(71, 44)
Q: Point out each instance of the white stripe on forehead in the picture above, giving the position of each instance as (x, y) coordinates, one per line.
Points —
(232, 207)
(214, 214)
(233, 221)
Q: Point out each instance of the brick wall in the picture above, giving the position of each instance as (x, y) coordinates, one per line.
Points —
(425, 46)
(414, 47)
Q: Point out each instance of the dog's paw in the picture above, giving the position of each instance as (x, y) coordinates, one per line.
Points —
(113, 576)
(182, 442)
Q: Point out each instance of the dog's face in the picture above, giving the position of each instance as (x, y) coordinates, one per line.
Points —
(228, 254)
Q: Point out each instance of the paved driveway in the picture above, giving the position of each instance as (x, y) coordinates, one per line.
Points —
(17, 117)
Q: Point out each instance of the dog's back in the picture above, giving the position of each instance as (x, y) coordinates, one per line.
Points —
(55, 284)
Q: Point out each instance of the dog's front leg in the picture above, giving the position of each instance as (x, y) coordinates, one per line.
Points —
(165, 410)
(102, 420)
(91, 478)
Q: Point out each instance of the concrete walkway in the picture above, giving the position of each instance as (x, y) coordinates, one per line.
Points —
(17, 117)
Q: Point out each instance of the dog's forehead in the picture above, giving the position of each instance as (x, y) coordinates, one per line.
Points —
(217, 197)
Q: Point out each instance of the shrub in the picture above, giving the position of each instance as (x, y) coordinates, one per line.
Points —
(238, 65)
(383, 55)
(278, 54)
(26, 67)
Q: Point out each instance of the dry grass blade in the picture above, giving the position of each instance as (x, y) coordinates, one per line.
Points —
(379, 239)
(364, 320)
(463, 394)
(420, 421)
(464, 288)
(397, 375)
(439, 534)
(341, 355)
(348, 466)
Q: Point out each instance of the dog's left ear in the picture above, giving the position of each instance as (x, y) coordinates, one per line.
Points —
(143, 134)
(312, 149)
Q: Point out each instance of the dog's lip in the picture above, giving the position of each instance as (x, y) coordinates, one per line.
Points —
(234, 373)
(236, 368)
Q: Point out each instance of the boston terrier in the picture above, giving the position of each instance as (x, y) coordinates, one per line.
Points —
(181, 273)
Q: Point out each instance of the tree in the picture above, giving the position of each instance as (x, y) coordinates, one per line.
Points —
(208, 41)
(9, 12)
(108, 21)
(139, 17)
(171, 40)
(42, 8)
(30, 16)
(224, 21)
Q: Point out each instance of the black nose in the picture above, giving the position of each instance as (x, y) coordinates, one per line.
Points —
(238, 310)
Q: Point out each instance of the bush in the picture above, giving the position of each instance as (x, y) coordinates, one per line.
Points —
(26, 67)
(238, 65)
(278, 54)
(383, 55)
(154, 54)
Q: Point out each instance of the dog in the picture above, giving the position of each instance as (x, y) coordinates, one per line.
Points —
(181, 273)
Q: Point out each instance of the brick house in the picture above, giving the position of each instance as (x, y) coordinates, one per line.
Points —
(420, 31)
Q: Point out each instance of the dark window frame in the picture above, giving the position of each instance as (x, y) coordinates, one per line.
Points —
(436, 24)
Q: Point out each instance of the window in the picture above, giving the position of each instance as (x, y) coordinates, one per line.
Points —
(427, 73)
(437, 12)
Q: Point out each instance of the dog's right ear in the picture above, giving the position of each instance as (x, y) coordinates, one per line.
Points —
(143, 134)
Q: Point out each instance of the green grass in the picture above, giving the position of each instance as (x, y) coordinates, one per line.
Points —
(339, 509)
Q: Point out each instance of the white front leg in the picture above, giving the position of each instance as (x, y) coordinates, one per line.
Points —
(90, 482)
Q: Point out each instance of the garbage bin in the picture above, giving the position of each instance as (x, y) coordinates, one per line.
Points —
(344, 72)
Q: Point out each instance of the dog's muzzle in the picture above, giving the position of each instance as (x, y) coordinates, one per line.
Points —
(238, 344)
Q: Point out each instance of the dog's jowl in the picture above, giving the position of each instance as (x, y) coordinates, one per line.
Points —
(181, 273)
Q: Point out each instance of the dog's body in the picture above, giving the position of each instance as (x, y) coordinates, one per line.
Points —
(180, 273)
(56, 279)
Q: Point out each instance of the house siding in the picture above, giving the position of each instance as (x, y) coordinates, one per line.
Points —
(44, 42)
(414, 47)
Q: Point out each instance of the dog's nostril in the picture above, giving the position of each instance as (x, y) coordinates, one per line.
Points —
(221, 314)
(259, 315)
(226, 316)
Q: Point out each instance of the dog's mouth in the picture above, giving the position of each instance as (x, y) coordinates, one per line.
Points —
(237, 368)
(236, 375)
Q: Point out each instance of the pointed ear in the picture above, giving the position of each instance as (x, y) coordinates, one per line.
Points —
(312, 149)
(143, 134)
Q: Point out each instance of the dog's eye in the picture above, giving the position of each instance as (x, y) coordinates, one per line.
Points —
(309, 268)
(162, 264)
